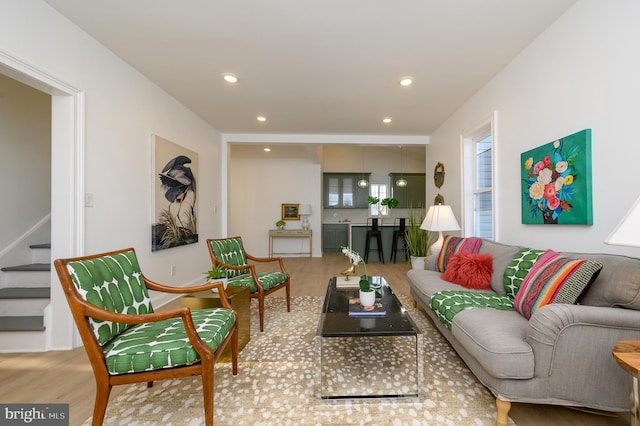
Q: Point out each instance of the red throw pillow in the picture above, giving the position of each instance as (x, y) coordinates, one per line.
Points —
(470, 270)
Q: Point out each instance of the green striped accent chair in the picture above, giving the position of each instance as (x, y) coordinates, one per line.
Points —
(230, 253)
(127, 342)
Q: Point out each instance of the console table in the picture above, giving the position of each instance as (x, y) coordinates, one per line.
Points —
(289, 233)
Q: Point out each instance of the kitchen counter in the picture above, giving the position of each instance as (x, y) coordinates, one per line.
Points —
(356, 239)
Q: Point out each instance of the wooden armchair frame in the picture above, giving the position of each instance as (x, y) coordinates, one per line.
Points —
(261, 293)
(83, 310)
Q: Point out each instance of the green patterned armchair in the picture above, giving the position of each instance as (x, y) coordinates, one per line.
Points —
(127, 342)
(230, 253)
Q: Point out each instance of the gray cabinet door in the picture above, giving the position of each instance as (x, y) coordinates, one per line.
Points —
(412, 195)
(334, 237)
(341, 191)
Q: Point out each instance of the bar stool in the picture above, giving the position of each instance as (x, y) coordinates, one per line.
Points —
(373, 231)
(399, 232)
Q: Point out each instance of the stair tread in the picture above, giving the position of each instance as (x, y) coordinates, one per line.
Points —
(26, 323)
(29, 267)
(41, 246)
(25, 293)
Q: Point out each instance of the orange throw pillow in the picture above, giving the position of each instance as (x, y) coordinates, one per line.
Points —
(470, 270)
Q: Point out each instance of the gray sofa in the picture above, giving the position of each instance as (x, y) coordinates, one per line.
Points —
(562, 354)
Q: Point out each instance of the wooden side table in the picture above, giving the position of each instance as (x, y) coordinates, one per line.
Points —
(290, 233)
(239, 298)
(627, 354)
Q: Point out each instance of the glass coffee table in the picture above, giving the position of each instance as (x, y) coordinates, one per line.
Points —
(377, 356)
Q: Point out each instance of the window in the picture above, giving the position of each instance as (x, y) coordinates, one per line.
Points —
(379, 191)
(482, 205)
(479, 197)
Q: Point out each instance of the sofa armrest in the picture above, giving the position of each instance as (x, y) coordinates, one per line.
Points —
(572, 349)
(549, 322)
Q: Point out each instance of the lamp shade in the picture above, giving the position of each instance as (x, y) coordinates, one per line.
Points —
(627, 233)
(440, 218)
(304, 209)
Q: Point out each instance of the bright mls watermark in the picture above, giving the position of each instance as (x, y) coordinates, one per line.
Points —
(34, 414)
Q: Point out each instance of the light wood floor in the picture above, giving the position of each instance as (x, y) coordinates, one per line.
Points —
(66, 377)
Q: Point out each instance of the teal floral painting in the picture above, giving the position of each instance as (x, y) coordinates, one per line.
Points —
(556, 182)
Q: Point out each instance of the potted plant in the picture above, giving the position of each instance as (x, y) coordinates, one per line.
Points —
(389, 202)
(418, 240)
(217, 273)
(280, 224)
(367, 294)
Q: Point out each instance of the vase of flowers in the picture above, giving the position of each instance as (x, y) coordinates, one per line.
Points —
(549, 182)
(367, 294)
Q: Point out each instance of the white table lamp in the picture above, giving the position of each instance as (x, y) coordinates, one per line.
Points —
(439, 218)
(627, 233)
(305, 211)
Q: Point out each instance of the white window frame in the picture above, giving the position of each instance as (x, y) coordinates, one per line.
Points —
(378, 209)
(469, 171)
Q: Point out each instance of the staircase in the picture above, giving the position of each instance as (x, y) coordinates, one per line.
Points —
(24, 295)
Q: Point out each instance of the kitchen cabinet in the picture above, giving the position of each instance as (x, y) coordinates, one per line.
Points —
(341, 191)
(334, 237)
(412, 195)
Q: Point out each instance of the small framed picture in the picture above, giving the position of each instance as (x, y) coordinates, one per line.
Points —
(290, 212)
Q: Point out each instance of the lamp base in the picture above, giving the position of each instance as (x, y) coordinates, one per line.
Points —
(437, 246)
(305, 222)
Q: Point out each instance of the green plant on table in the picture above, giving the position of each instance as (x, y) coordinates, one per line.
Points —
(389, 202)
(216, 272)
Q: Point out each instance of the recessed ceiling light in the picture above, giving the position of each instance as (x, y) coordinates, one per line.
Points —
(230, 78)
(406, 81)
(386, 120)
(261, 118)
(267, 150)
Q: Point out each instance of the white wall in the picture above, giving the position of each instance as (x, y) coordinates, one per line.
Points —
(25, 159)
(259, 183)
(580, 73)
(122, 110)
(257, 190)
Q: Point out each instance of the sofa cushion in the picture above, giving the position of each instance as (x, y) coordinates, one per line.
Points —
(502, 255)
(500, 348)
(470, 270)
(618, 284)
(427, 283)
(446, 304)
(578, 283)
(548, 276)
(452, 245)
(518, 268)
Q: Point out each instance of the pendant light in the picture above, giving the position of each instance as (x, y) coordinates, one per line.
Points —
(363, 183)
(402, 182)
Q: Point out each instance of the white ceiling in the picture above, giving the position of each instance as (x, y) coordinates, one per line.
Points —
(317, 67)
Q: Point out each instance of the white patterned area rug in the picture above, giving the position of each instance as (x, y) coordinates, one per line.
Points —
(276, 380)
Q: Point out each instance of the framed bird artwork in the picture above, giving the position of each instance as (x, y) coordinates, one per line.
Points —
(175, 170)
